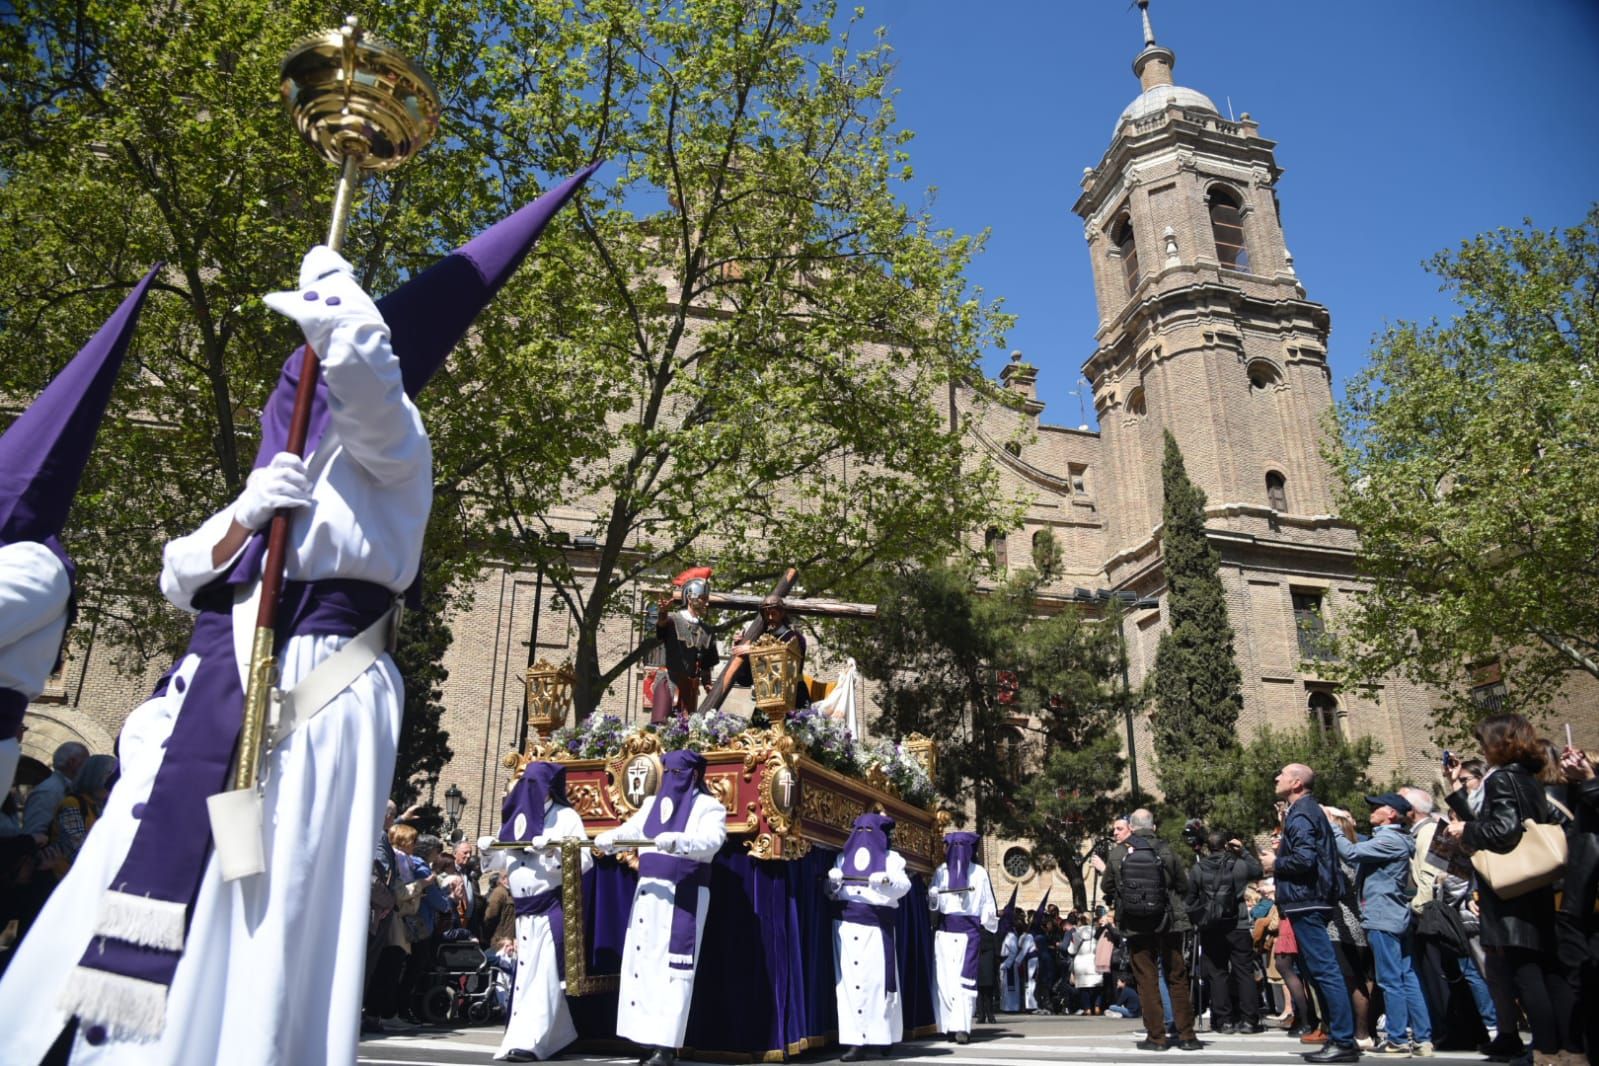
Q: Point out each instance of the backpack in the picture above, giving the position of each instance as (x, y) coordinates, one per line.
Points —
(1142, 887)
(1221, 899)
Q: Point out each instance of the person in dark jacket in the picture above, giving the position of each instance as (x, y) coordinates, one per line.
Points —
(1578, 903)
(987, 975)
(1227, 951)
(1307, 876)
(1518, 935)
(1154, 941)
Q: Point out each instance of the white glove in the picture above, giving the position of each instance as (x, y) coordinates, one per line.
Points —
(327, 298)
(836, 875)
(538, 842)
(605, 841)
(281, 483)
(881, 880)
(668, 842)
(483, 843)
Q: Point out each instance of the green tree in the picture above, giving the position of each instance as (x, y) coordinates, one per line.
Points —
(1196, 685)
(761, 327)
(1248, 805)
(1024, 704)
(726, 351)
(1467, 453)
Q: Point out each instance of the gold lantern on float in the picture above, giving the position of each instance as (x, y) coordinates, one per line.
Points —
(549, 696)
(775, 667)
(924, 750)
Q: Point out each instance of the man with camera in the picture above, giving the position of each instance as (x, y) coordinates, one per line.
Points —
(1216, 907)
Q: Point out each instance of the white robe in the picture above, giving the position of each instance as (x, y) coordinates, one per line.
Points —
(540, 1021)
(1027, 971)
(953, 1003)
(867, 1012)
(653, 1000)
(273, 965)
(34, 590)
(1010, 999)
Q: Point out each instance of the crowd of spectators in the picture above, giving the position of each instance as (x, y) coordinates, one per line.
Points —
(41, 830)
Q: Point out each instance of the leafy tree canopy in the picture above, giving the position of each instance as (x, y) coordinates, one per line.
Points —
(1468, 455)
(1248, 805)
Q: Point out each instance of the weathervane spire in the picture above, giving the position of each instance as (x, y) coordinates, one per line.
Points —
(1149, 31)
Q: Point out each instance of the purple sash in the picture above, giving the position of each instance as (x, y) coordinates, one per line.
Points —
(688, 876)
(12, 706)
(885, 919)
(968, 925)
(547, 903)
(123, 976)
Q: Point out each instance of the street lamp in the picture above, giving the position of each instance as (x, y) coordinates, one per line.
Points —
(1129, 601)
(454, 804)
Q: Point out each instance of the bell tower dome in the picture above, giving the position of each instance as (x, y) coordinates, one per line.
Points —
(1204, 327)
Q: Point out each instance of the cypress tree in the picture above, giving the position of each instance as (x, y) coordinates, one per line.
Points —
(1198, 690)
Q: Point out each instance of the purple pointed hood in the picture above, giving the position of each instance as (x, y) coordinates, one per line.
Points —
(682, 775)
(429, 314)
(959, 851)
(43, 453)
(1007, 917)
(1037, 926)
(523, 809)
(866, 850)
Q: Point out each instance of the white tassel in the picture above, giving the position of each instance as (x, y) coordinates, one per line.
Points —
(152, 923)
(129, 1008)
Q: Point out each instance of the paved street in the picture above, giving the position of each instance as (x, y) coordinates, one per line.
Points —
(1018, 1041)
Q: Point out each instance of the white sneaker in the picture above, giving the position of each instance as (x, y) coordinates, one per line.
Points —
(1421, 1049)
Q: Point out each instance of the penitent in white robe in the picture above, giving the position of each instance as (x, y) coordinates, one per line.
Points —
(540, 1022)
(34, 590)
(954, 1004)
(1010, 998)
(273, 965)
(867, 1012)
(653, 1000)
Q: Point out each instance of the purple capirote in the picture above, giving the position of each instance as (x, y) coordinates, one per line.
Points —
(540, 781)
(43, 453)
(959, 849)
(870, 831)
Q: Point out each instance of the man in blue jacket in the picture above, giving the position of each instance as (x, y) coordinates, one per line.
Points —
(1307, 877)
(1383, 877)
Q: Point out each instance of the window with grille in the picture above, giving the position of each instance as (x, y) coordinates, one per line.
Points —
(1127, 248)
(1227, 226)
(1323, 708)
(1315, 643)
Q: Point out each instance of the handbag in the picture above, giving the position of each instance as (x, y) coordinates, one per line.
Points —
(1538, 859)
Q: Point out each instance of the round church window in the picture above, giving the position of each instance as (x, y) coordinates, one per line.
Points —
(1018, 862)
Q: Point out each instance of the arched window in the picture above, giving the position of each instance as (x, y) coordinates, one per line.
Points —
(1135, 403)
(1323, 708)
(994, 544)
(1263, 375)
(1276, 491)
(1227, 226)
(1121, 235)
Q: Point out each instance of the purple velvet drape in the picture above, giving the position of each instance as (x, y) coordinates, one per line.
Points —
(765, 979)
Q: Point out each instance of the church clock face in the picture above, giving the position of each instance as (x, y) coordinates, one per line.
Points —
(1018, 863)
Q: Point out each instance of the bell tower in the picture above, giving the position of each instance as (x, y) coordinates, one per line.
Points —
(1204, 327)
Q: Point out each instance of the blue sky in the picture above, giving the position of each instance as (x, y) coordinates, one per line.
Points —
(1402, 128)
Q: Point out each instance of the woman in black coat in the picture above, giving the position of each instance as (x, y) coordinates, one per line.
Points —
(1518, 934)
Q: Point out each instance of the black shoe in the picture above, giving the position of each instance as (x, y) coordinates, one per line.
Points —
(1251, 1028)
(856, 1053)
(963, 1038)
(1152, 1045)
(664, 1056)
(883, 1050)
(1190, 1045)
(519, 1055)
(1298, 1031)
(1331, 1052)
(1225, 1029)
(1502, 1048)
